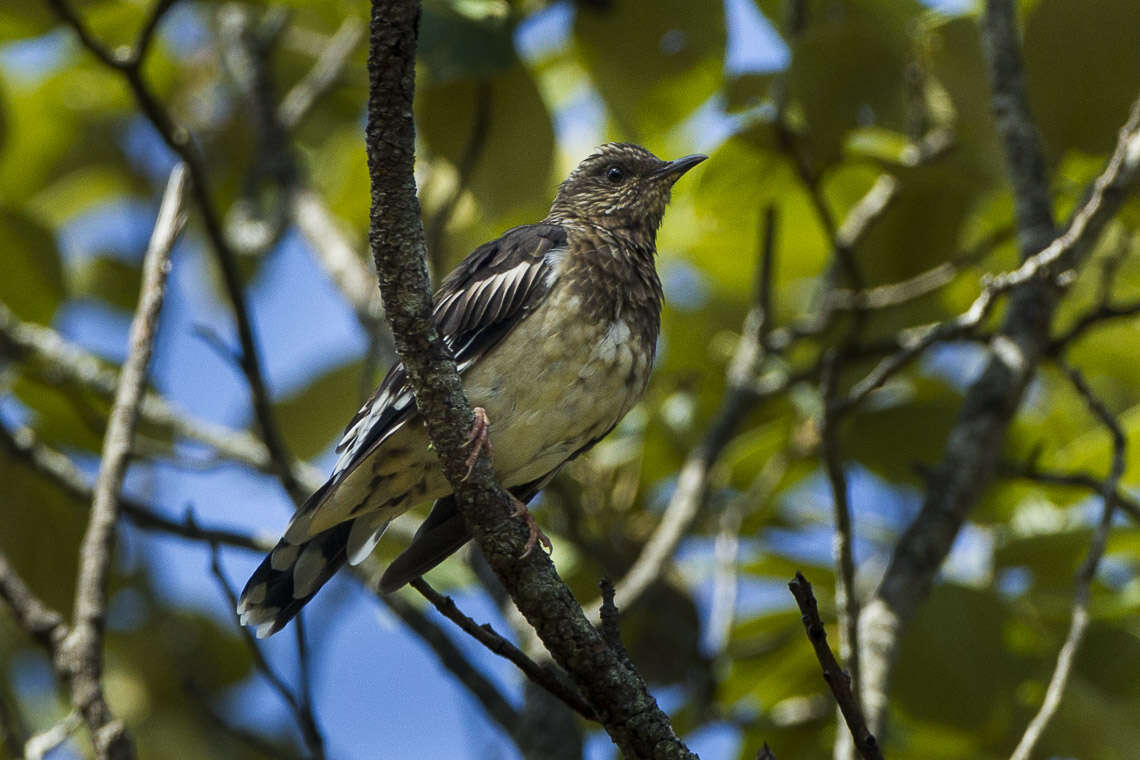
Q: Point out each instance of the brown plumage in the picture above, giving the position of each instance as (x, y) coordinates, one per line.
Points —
(553, 327)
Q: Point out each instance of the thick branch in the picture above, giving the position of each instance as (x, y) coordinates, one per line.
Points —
(621, 699)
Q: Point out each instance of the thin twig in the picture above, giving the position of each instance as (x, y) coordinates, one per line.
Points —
(45, 742)
(847, 602)
(330, 64)
(1085, 480)
(81, 652)
(55, 465)
(1080, 615)
(300, 707)
(66, 363)
(489, 696)
(835, 676)
(488, 637)
(253, 741)
(179, 141)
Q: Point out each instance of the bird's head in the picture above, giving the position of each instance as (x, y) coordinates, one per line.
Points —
(620, 187)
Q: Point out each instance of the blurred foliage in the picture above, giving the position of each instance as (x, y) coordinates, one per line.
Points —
(497, 123)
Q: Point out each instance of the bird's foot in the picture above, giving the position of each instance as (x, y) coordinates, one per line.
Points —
(478, 439)
(536, 535)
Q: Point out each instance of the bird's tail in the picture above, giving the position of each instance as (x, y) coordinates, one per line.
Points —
(289, 577)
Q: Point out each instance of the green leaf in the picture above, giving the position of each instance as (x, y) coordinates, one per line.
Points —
(652, 63)
(1080, 95)
(507, 122)
(33, 282)
(107, 278)
(313, 416)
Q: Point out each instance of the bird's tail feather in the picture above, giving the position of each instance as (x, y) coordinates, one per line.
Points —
(289, 577)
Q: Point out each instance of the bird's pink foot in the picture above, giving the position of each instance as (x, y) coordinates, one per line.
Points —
(536, 535)
(478, 439)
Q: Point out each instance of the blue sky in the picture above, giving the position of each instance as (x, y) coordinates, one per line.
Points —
(378, 690)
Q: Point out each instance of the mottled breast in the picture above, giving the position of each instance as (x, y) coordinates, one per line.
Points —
(560, 380)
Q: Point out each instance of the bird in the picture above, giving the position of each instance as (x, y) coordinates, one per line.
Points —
(553, 327)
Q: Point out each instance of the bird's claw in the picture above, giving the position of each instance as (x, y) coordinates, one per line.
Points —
(478, 439)
(536, 535)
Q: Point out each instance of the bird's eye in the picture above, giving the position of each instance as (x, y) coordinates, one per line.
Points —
(615, 174)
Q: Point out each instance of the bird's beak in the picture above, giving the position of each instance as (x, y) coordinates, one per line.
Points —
(674, 169)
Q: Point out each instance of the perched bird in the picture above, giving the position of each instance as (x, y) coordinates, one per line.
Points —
(553, 327)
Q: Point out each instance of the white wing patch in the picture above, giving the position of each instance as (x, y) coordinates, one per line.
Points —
(353, 438)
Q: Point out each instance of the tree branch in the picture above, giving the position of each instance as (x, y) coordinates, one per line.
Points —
(487, 636)
(621, 699)
(837, 679)
(80, 656)
(299, 705)
(179, 141)
(990, 403)
(1080, 614)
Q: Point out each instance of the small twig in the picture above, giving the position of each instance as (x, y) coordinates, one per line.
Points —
(765, 753)
(44, 742)
(39, 621)
(299, 706)
(1105, 312)
(80, 655)
(843, 543)
(487, 636)
(332, 61)
(1086, 480)
(611, 621)
(179, 141)
(55, 465)
(726, 553)
(835, 676)
(452, 658)
(1085, 575)
(66, 363)
(476, 143)
(251, 740)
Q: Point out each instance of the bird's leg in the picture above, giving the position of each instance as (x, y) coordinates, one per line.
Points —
(478, 439)
(536, 535)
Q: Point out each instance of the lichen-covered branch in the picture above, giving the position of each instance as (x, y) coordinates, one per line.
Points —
(620, 697)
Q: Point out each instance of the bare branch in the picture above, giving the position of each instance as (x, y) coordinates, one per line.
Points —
(1023, 152)
(41, 622)
(486, 635)
(842, 543)
(44, 742)
(81, 653)
(1080, 615)
(327, 69)
(620, 697)
(55, 465)
(480, 687)
(68, 363)
(299, 706)
(1086, 480)
(835, 676)
(178, 140)
(992, 400)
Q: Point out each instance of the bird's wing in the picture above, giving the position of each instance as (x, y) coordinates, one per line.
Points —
(476, 306)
